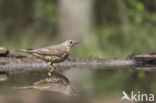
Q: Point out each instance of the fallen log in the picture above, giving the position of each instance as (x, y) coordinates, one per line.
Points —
(144, 59)
(4, 51)
(14, 63)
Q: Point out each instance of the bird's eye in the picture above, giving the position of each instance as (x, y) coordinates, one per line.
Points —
(71, 42)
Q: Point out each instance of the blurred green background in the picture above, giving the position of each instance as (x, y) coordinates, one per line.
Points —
(106, 28)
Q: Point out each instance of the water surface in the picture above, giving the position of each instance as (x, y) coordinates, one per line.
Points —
(93, 86)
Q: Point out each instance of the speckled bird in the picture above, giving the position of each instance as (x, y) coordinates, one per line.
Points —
(52, 54)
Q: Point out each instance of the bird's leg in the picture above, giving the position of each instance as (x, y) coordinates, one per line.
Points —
(52, 69)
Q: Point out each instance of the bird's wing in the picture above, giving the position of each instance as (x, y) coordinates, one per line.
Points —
(52, 50)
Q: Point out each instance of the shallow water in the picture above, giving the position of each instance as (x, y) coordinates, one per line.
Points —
(93, 86)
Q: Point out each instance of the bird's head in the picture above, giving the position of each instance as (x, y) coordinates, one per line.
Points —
(70, 43)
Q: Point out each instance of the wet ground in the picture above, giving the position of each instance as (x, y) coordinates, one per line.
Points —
(98, 85)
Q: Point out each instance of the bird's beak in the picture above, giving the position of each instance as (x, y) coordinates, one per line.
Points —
(76, 42)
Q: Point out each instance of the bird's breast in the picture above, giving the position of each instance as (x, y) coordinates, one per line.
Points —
(57, 58)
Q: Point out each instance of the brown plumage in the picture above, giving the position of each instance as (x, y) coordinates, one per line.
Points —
(53, 54)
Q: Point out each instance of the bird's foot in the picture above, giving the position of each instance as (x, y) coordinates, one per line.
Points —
(49, 74)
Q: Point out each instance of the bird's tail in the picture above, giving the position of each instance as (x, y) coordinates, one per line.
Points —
(25, 50)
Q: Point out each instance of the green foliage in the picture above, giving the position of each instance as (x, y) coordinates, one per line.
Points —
(139, 39)
(45, 10)
(113, 37)
(89, 49)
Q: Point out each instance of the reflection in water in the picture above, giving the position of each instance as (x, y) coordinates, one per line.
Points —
(56, 83)
(106, 85)
(3, 76)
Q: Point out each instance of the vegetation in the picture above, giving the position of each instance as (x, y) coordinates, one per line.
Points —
(120, 27)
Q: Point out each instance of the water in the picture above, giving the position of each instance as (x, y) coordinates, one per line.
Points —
(90, 85)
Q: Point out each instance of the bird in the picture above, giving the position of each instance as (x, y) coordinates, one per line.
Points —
(52, 54)
(56, 83)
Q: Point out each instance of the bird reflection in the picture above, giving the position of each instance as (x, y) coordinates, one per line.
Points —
(55, 83)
